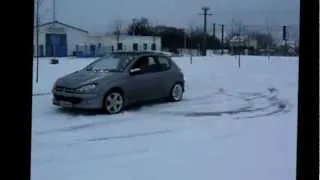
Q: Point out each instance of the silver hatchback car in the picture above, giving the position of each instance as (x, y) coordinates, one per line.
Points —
(119, 79)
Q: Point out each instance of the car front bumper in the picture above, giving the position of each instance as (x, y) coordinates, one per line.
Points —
(81, 101)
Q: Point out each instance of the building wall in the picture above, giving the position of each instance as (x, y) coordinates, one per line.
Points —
(74, 37)
(82, 40)
(127, 42)
(41, 37)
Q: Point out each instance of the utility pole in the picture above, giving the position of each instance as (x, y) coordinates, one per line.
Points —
(268, 45)
(37, 40)
(184, 40)
(205, 14)
(222, 39)
(232, 24)
(214, 37)
(214, 30)
(190, 34)
(154, 42)
(239, 45)
(54, 10)
(284, 37)
(53, 25)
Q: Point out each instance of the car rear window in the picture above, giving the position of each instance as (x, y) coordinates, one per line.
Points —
(164, 63)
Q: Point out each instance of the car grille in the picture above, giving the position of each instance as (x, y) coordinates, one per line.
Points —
(64, 89)
(74, 100)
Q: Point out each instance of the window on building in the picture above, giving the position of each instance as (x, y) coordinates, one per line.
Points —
(145, 46)
(120, 46)
(135, 46)
(153, 46)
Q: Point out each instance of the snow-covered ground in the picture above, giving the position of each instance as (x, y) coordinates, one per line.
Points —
(233, 124)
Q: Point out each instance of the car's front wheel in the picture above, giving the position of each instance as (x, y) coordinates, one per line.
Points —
(176, 93)
(113, 102)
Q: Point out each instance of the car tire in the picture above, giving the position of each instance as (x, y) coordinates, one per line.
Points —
(176, 92)
(113, 102)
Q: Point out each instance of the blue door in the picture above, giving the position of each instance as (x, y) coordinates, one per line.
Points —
(92, 50)
(56, 45)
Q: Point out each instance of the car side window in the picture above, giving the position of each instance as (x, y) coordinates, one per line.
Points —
(151, 61)
(147, 64)
(164, 63)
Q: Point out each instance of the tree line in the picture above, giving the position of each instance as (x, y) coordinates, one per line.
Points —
(174, 38)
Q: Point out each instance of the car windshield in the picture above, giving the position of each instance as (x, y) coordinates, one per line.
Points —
(109, 63)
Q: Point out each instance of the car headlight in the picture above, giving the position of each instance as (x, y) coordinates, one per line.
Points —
(86, 88)
(54, 86)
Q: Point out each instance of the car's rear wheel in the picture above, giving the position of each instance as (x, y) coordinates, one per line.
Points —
(176, 93)
(113, 102)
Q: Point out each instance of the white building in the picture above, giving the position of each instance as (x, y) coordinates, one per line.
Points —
(58, 39)
(101, 44)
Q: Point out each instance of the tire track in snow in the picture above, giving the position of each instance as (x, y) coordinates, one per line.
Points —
(274, 105)
(78, 127)
(129, 136)
(273, 102)
(121, 137)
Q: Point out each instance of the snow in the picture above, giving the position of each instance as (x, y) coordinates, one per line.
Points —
(234, 123)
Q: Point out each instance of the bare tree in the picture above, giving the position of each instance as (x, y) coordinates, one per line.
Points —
(117, 29)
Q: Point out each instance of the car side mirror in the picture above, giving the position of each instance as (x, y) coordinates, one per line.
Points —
(135, 71)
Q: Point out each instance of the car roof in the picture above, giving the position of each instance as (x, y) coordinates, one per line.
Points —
(139, 53)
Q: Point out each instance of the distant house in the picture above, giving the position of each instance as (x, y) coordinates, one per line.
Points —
(236, 41)
(288, 43)
(57, 39)
(289, 46)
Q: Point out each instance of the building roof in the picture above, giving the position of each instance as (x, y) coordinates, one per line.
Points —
(63, 24)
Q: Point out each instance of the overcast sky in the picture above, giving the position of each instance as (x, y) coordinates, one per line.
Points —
(98, 15)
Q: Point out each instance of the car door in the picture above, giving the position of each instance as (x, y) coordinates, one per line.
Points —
(141, 86)
(165, 76)
(155, 78)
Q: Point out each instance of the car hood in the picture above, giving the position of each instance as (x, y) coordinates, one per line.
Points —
(80, 78)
